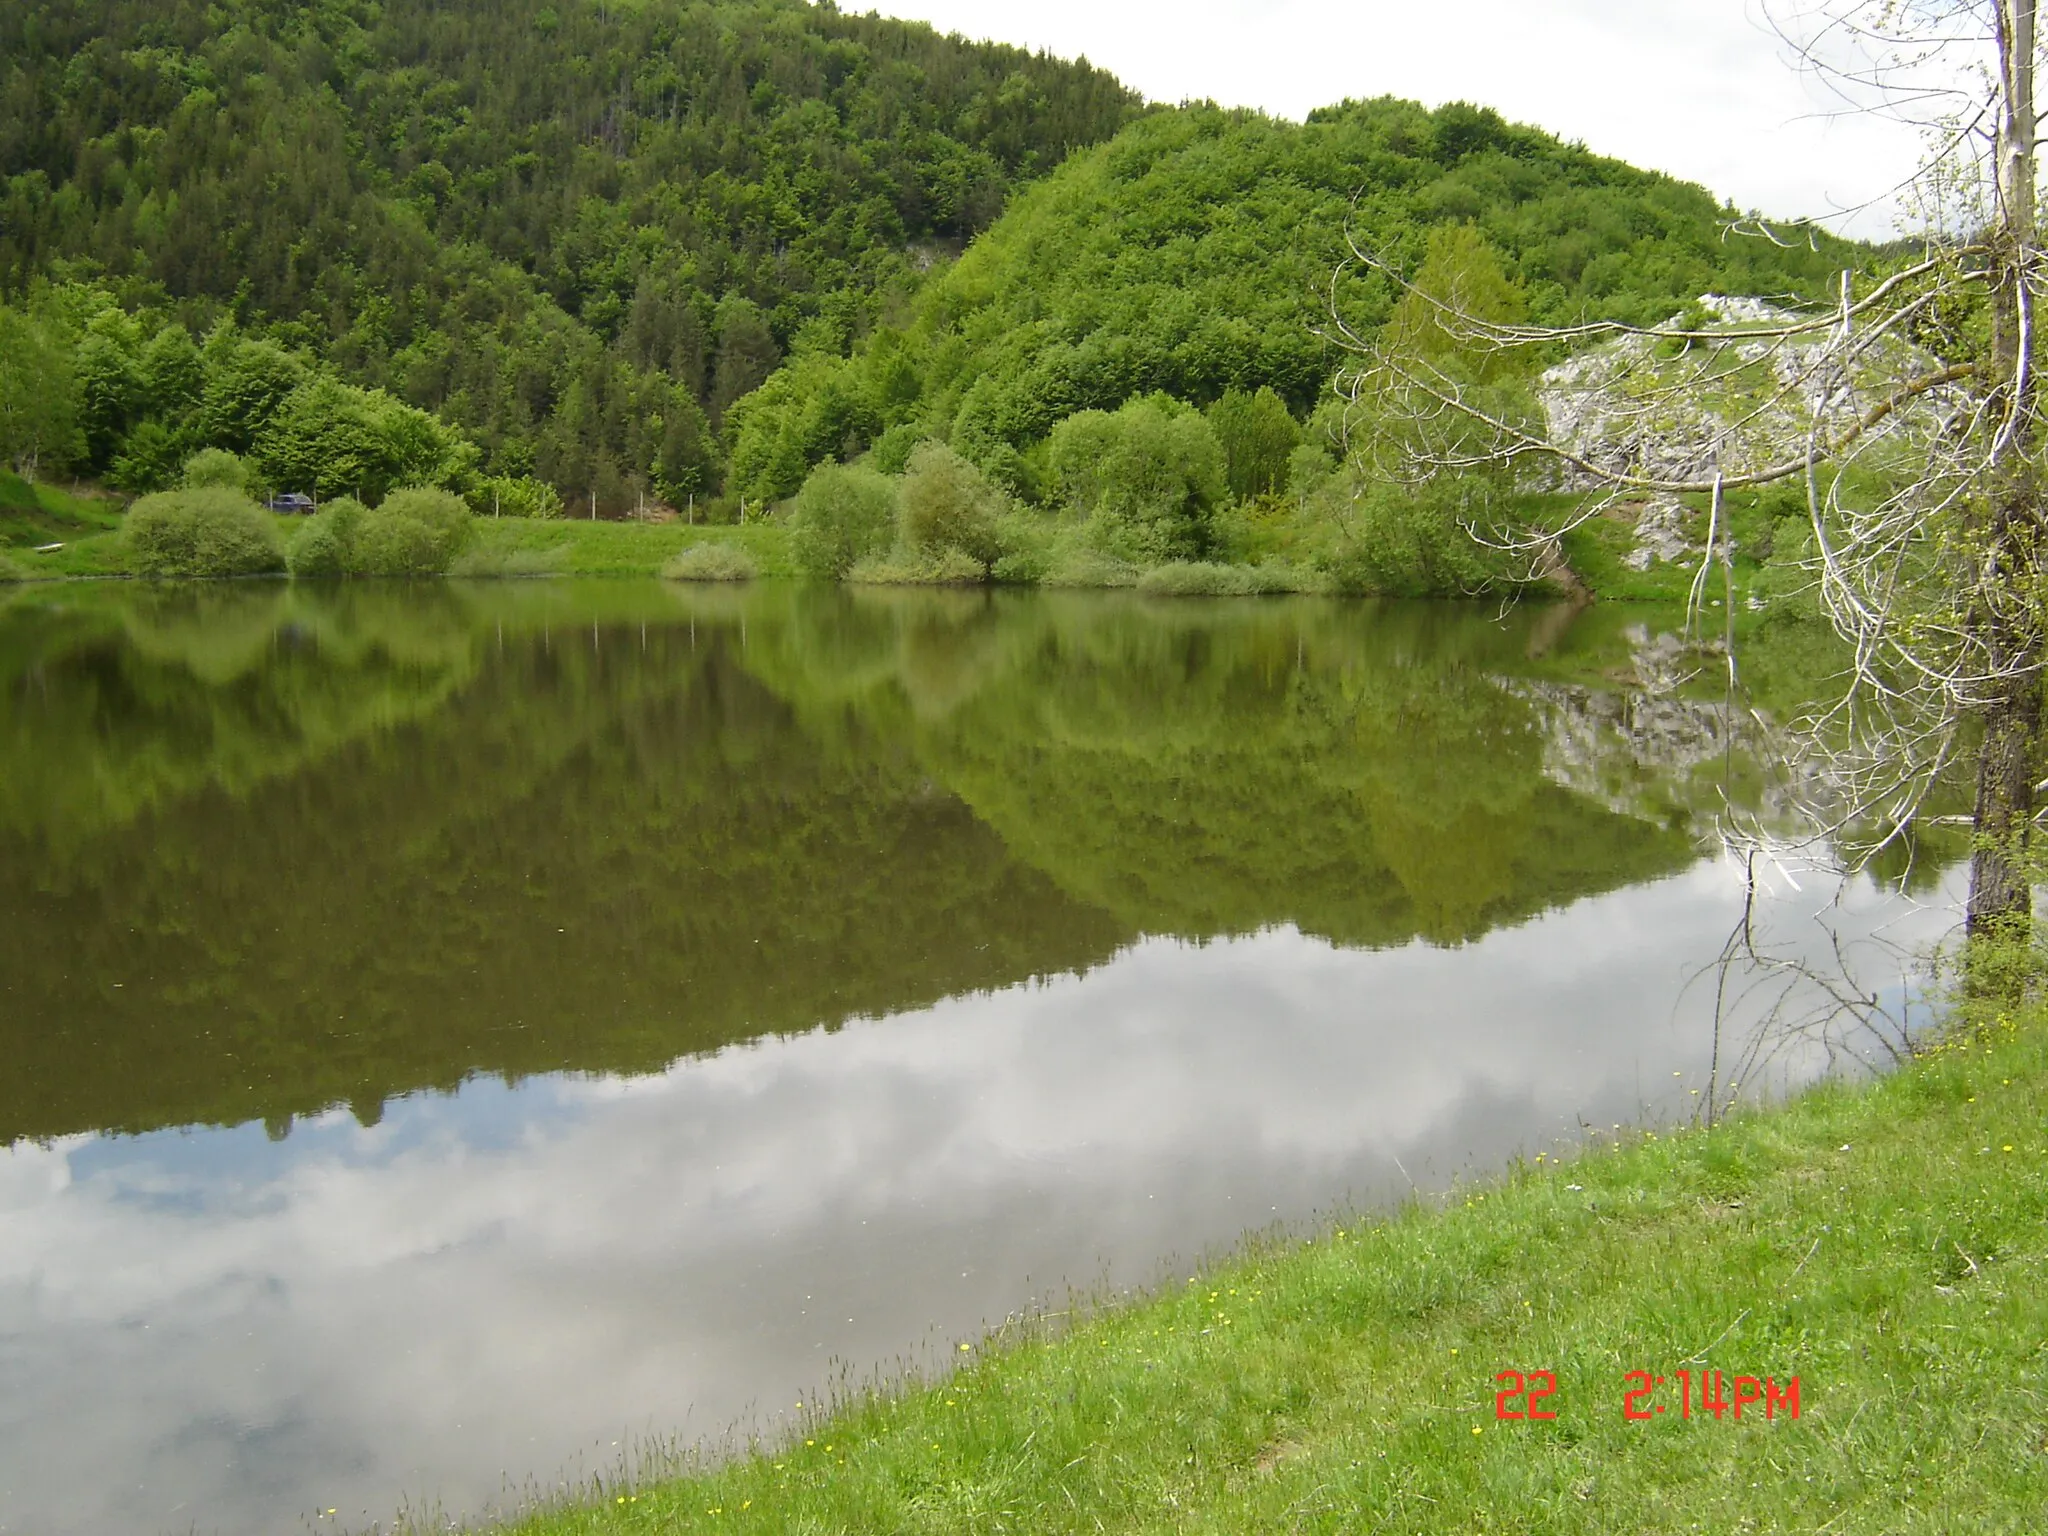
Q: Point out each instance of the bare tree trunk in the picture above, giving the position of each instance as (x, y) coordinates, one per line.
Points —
(2001, 894)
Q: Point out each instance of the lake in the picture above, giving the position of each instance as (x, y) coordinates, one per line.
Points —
(455, 1033)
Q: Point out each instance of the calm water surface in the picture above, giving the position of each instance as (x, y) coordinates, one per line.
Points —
(450, 1032)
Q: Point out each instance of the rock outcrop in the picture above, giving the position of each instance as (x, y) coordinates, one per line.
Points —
(1672, 410)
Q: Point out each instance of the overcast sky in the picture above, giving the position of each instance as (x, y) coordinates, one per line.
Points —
(1697, 88)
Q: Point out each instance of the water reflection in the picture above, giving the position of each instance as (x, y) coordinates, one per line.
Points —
(1131, 926)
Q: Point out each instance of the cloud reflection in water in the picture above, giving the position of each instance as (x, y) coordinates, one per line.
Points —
(509, 1280)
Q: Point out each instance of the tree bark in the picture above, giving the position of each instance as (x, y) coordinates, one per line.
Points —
(2001, 892)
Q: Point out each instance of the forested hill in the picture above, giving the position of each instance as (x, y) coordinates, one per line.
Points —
(1194, 253)
(576, 228)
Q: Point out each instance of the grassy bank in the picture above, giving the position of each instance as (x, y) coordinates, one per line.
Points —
(1887, 1245)
(579, 548)
(87, 531)
(93, 546)
(36, 515)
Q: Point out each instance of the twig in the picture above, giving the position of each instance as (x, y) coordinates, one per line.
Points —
(1801, 1264)
(1702, 1354)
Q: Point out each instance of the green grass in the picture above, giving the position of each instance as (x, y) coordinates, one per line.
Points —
(1886, 1244)
(1597, 546)
(632, 549)
(711, 560)
(1197, 578)
(33, 515)
(506, 546)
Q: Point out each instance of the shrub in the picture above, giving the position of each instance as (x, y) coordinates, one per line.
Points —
(1398, 541)
(493, 558)
(892, 450)
(948, 504)
(9, 571)
(326, 544)
(443, 511)
(389, 545)
(412, 533)
(515, 496)
(212, 531)
(219, 469)
(1258, 435)
(1198, 578)
(1030, 542)
(711, 561)
(946, 568)
(1150, 475)
(843, 513)
(1201, 578)
(1080, 566)
(416, 532)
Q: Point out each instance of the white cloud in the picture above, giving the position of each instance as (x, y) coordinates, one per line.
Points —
(1698, 88)
(209, 1328)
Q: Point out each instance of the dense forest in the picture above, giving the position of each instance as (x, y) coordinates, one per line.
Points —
(574, 231)
(1194, 254)
(950, 311)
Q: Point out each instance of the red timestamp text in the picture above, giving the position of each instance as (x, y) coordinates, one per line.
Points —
(1532, 1388)
(1524, 1395)
(1707, 1393)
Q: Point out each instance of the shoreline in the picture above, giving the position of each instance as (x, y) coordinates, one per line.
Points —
(1347, 1380)
(508, 548)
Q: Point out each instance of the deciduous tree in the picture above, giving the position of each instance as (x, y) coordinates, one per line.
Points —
(38, 397)
(1909, 411)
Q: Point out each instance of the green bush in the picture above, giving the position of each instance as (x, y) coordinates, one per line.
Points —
(389, 545)
(942, 568)
(325, 544)
(211, 531)
(1258, 435)
(1149, 474)
(1200, 578)
(443, 512)
(416, 532)
(949, 505)
(1077, 565)
(1029, 543)
(1400, 541)
(216, 468)
(9, 571)
(711, 562)
(843, 513)
(892, 450)
(515, 496)
(411, 533)
(496, 558)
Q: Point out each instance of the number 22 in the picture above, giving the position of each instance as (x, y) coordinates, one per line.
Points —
(1518, 1385)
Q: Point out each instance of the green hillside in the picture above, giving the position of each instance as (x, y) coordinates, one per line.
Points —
(575, 229)
(42, 514)
(1193, 254)
(670, 249)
